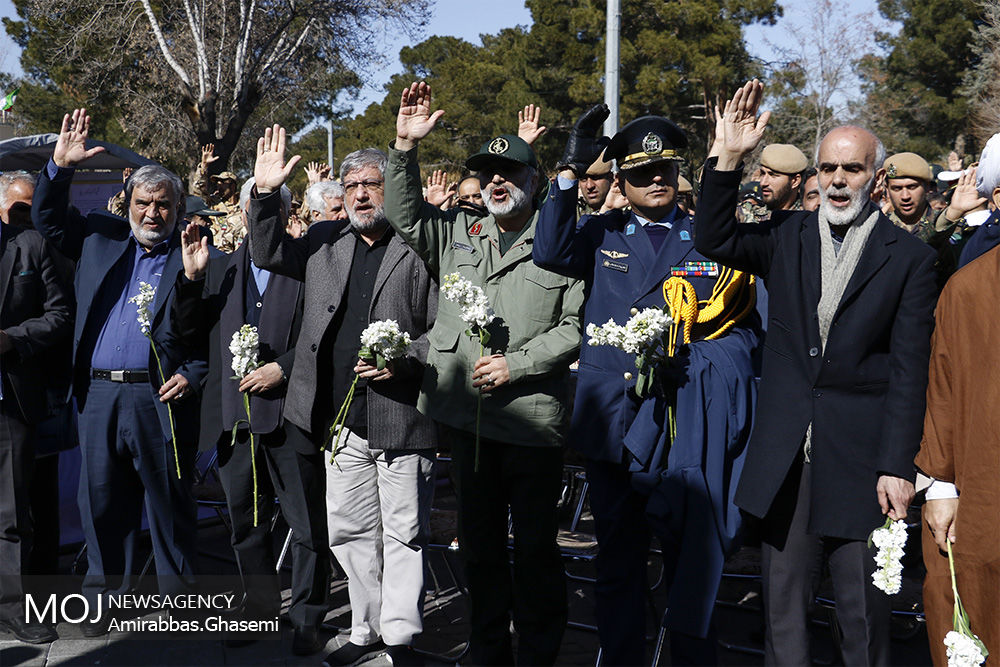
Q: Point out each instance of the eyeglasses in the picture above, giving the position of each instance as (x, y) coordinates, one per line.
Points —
(351, 186)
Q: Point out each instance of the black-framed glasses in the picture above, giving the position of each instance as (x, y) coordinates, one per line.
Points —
(351, 186)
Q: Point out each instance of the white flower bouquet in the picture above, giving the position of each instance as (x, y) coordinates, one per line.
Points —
(477, 315)
(143, 300)
(381, 342)
(244, 348)
(890, 540)
(644, 335)
(964, 648)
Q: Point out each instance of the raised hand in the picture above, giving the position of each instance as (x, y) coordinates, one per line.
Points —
(316, 172)
(439, 193)
(742, 128)
(719, 142)
(527, 124)
(415, 120)
(194, 251)
(615, 199)
(71, 147)
(954, 162)
(271, 171)
(965, 198)
(582, 147)
(208, 155)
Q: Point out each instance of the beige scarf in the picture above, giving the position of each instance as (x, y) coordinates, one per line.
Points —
(836, 269)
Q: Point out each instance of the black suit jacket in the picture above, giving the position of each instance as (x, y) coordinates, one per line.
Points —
(36, 312)
(865, 394)
(214, 308)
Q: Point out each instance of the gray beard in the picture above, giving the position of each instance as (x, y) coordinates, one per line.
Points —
(838, 217)
(517, 203)
(373, 222)
(149, 238)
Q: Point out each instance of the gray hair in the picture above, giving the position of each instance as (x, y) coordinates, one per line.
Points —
(154, 177)
(286, 195)
(317, 194)
(9, 178)
(360, 159)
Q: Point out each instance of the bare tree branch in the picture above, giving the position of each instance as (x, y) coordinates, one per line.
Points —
(167, 55)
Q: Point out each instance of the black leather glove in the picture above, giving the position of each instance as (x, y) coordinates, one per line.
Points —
(582, 147)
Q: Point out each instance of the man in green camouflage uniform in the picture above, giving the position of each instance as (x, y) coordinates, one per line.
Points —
(907, 177)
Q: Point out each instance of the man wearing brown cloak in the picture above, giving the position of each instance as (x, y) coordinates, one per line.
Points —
(961, 447)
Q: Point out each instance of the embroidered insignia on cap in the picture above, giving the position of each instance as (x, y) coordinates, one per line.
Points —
(890, 171)
(652, 144)
(498, 145)
(614, 254)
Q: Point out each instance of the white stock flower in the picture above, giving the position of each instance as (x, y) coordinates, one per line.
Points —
(243, 347)
(384, 338)
(642, 331)
(891, 543)
(143, 300)
(471, 299)
(963, 650)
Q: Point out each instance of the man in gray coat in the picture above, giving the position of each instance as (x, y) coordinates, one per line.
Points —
(379, 489)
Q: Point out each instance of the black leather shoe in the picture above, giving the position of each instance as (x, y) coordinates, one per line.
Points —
(402, 655)
(350, 653)
(29, 633)
(306, 641)
(97, 628)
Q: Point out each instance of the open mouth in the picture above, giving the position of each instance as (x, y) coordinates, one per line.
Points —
(839, 200)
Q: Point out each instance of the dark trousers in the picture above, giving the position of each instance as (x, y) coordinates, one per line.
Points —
(623, 537)
(622, 588)
(791, 563)
(297, 480)
(16, 461)
(128, 464)
(527, 480)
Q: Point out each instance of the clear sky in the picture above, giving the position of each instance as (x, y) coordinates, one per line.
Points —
(471, 18)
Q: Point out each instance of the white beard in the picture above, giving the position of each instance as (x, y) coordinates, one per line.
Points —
(838, 217)
(517, 202)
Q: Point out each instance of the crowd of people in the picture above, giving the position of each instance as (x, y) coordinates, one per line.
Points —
(797, 392)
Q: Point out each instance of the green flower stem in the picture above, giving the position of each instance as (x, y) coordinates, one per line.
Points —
(170, 412)
(960, 620)
(253, 459)
(479, 402)
(340, 420)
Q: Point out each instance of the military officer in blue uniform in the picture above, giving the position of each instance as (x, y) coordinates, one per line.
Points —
(645, 475)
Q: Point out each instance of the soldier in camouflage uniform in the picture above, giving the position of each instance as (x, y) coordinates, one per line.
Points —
(220, 192)
(781, 167)
(907, 179)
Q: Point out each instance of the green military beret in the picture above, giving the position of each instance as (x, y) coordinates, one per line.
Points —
(784, 159)
(505, 148)
(907, 165)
